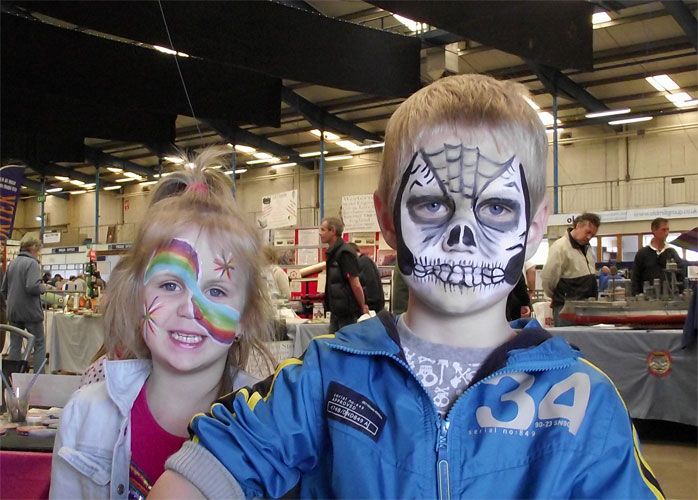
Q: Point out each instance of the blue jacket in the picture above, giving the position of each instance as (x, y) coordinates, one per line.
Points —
(351, 420)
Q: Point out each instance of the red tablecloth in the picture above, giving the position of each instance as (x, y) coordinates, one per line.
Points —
(24, 475)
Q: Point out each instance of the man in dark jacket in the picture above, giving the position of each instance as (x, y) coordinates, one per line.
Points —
(344, 297)
(21, 289)
(370, 279)
(651, 261)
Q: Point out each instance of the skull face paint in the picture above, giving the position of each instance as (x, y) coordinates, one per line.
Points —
(461, 221)
(206, 291)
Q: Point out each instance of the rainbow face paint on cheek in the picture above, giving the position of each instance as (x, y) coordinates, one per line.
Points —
(180, 259)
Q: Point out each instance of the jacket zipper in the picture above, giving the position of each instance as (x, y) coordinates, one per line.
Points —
(442, 425)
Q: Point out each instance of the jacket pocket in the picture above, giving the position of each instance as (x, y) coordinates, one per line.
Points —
(92, 464)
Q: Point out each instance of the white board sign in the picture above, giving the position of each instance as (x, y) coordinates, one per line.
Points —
(280, 210)
(678, 212)
(52, 237)
(358, 213)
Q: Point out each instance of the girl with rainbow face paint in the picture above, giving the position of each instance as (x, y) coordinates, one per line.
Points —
(193, 295)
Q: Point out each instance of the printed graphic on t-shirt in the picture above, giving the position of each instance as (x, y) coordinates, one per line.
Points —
(446, 379)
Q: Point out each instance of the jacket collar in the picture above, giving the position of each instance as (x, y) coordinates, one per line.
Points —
(334, 248)
(533, 349)
(576, 244)
(125, 379)
(24, 253)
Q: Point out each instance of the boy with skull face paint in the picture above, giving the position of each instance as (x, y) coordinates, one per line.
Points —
(461, 197)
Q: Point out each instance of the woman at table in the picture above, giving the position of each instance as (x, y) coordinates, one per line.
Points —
(186, 306)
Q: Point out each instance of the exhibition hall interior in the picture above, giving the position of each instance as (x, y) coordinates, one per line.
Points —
(101, 102)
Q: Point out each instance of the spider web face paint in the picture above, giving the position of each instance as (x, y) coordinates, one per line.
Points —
(461, 221)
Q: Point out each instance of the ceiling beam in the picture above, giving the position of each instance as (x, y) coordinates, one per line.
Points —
(101, 159)
(323, 120)
(556, 82)
(49, 168)
(684, 18)
(36, 186)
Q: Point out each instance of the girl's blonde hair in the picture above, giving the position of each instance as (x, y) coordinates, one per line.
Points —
(198, 196)
(467, 102)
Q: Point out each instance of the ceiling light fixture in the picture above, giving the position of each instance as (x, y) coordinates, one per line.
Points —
(89, 186)
(630, 120)
(532, 104)
(243, 149)
(600, 17)
(173, 159)
(270, 160)
(115, 170)
(171, 52)
(547, 118)
(329, 136)
(132, 174)
(112, 188)
(335, 158)
(76, 182)
(54, 190)
(125, 179)
(685, 104)
(80, 191)
(351, 146)
(678, 97)
(314, 153)
(608, 112)
(411, 25)
(662, 83)
(238, 171)
(262, 156)
(375, 145)
(38, 217)
(61, 178)
(291, 164)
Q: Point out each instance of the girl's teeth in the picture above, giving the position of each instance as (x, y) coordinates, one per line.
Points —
(187, 339)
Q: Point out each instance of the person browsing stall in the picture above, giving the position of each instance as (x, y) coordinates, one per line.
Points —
(446, 400)
(651, 260)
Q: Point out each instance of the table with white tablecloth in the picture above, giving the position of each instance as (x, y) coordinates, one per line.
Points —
(656, 378)
(303, 333)
(75, 339)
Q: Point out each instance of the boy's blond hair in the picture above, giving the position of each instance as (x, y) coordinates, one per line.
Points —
(200, 197)
(466, 102)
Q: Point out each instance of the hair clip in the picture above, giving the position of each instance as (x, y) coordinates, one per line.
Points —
(198, 187)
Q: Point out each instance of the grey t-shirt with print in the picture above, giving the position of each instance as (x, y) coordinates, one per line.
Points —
(443, 369)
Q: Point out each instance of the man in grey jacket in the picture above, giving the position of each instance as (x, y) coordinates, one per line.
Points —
(21, 289)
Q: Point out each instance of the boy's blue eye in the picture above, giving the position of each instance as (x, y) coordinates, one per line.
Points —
(496, 209)
(433, 207)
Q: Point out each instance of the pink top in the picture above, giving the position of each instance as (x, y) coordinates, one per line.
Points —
(151, 445)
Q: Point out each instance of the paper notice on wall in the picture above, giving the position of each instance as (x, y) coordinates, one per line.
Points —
(358, 213)
(306, 256)
(284, 237)
(279, 210)
(308, 237)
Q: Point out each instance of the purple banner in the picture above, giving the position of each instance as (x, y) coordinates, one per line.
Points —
(11, 178)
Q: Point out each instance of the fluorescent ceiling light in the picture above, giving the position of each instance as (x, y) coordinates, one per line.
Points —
(89, 186)
(54, 190)
(685, 104)
(662, 83)
(678, 97)
(125, 179)
(243, 149)
(600, 17)
(80, 191)
(238, 171)
(147, 183)
(329, 136)
(171, 52)
(314, 153)
(173, 159)
(351, 146)
(630, 120)
(335, 158)
(116, 170)
(132, 174)
(61, 178)
(608, 112)
(112, 188)
(262, 156)
(76, 182)
(291, 164)
(412, 25)
(164, 174)
(215, 167)
(369, 146)
(38, 217)
(547, 118)
(532, 104)
(271, 160)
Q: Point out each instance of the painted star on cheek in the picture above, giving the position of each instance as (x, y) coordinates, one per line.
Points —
(149, 316)
(224, 265)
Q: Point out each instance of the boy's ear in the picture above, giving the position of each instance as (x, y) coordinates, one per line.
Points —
(385, 221)
(539, 225)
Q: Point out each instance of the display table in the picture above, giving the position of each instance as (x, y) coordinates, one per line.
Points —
(655, 377)
(74, 341)
(303, 333)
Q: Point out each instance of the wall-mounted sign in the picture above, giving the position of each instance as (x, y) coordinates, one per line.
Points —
(65, 250)
(279, 210)
(359, 214)
(678, 212)
(52, 237)
(119, 246)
